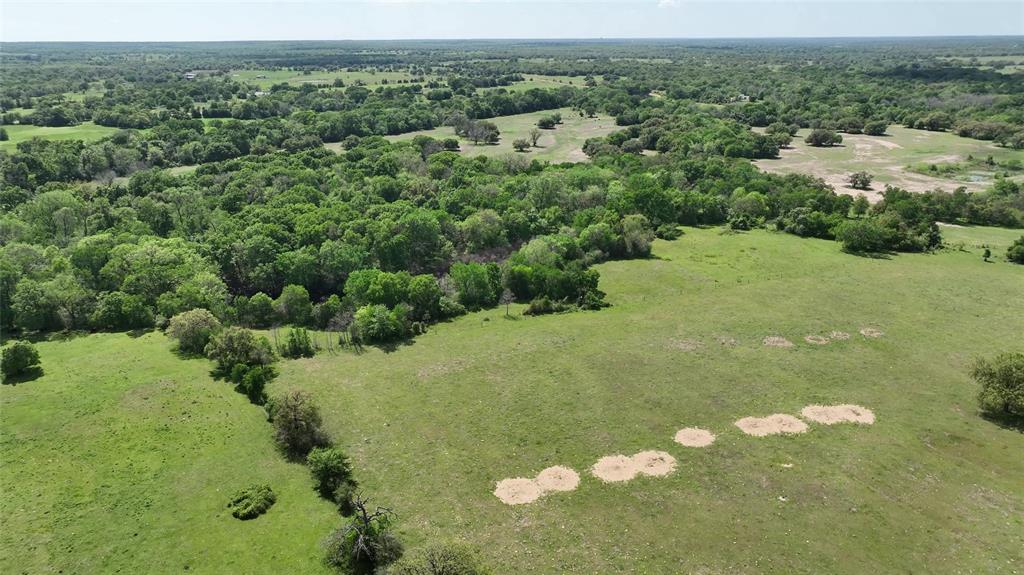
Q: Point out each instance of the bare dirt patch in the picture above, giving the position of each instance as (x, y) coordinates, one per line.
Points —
(558, 478)
(771, 425)
(615, 468)
(776, 341)
(832, 414)
(838, 335)
(871, 332)
(517, 491)
(727, 341)
(694, 437)
(654, 463)
(816, 339)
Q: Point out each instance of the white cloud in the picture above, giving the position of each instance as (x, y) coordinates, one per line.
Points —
(668, 3)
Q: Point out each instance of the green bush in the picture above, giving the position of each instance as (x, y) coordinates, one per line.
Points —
(118, 310)
(440, 559)
(330, 469)
(252, 501)
(193, 329)
(1016, 251)
(297, 344)
(376, 323)
(344, 496)
(1002, 384)
(864, 236)
(366, 543)
(18, 358)
(297, 423)
(545, 305)
(252, 380)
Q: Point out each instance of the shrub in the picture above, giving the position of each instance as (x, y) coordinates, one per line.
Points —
(876, 127)
(18, 358)
(668, 232)
(330, 469)
(252, 501)
(193, 329)
(1016, 251)
(440, 559)
(237, 345)
(1002, 384)
(860, 180)
(544, 305)
(252, 380)
(293, 305)
(448, 307)
(259, 310)
(298, 344)
(297, 423)
(376, 323)
(344, 496)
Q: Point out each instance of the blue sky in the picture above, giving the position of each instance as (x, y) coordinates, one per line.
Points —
(160, 20)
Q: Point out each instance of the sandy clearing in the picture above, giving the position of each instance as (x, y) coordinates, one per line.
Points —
(615, 468)
(517, 491)
(832, 414)
(654, 463)
(771, 425)
(838, 335)
(776, 341)
(694, 437)
(558, 478)
(816, 339)
(871, 332)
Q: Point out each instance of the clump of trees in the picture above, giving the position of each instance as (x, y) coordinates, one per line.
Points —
(193, 330)
(1015, 253)
(366, 543)
(860, 180)
(297, 424)
(823, 137)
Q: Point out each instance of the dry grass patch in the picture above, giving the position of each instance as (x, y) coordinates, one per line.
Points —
(685, 344)
(832, 414)
(776, 341)
(774, 424)
(871, 332)
(838, 335)
(694, 437)
(816, 339)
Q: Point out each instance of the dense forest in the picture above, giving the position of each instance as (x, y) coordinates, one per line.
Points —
(381, 238)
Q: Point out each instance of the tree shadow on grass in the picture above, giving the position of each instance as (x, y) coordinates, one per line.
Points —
(30, 374)
(871, 255)
(1006, 421)
(137, 333)
(393, 346)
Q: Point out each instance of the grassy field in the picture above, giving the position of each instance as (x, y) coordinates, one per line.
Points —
(122, 456)
(539, 81)
(85, 131)
(888, 158)
(296, 78)
(563, 144)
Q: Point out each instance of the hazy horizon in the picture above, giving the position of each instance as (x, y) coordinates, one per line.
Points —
(398, 20)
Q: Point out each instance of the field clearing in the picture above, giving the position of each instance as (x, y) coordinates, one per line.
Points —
(86, 131)
(148, 447)
(297, 78)
(538, 81)
(886, 158)
(563, 144)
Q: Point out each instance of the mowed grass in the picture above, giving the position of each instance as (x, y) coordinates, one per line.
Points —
(563, 144)
(142, 442)
(887, 158)
(86, 131)
(297, 78)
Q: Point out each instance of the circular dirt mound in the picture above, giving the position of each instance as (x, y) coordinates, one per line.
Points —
(517, 491)
(694, 437)
(654, 463)
(831, 414)
(871, 332)
(558, 478)
(838, 335)
(777, 341)
(816, 339)
(613, 468)
(771, 425)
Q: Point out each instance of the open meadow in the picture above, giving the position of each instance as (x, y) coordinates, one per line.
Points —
(121, 457)
(86, 131)
(901, 158)
(371, 78)
(562, 144)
